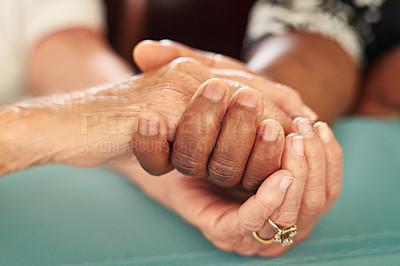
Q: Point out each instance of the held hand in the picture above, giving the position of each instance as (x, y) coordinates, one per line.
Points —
(305, 188)
(218, 136)
(165, 91)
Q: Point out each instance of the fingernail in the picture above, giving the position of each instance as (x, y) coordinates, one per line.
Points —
(270, 131)
(303, 127)
(148, 128)
(285, 183)
(247, 99)
(324, 132)
(214, 91)
(166, 42)
(298, 145)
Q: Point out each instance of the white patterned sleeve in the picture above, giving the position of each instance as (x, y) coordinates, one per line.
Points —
(331, 19)
(45, 17)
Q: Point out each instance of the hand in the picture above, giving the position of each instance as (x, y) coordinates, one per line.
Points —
(150, 55)
(227, 217)
(165, 91)
(90, 127)
(216, 138)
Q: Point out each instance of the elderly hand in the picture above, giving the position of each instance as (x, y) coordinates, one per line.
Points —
(113, 112)
(191, 153)
(216, 138)
(89, 127)
(299, 193)
(305, 187)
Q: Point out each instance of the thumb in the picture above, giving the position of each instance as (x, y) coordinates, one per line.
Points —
(253, 213)
(149, 55)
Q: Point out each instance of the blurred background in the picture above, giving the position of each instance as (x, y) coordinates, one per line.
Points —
(217, 26)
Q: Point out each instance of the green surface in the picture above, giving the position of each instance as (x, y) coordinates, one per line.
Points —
(62, 215)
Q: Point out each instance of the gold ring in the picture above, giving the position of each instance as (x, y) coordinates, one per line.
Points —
(283, 236)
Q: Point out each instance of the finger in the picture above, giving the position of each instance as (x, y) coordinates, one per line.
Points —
(293, 159)
(334, 162)
(149, 143)
(236, 138)
(259, 207)
(281, 95)
(266, 155)
(198, 128)
(314, 197)
(150, 55)
(271, 110)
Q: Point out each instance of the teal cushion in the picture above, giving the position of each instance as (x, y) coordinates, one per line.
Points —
(56, 215)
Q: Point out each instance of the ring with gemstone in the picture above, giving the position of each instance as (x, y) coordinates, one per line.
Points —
(283, 236)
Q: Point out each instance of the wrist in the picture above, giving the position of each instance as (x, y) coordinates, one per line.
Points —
(100, 122)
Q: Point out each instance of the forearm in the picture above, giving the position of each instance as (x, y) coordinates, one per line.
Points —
(318, 68)
(20, 146)
(82, 128)
(73, 59)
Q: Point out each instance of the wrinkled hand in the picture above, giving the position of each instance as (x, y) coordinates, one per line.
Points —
(166, 91)
(219, 137)
(225, 168)
(305, 188)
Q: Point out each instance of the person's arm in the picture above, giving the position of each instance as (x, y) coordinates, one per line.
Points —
(89, 127)
(314, 47)
(73, 59)
(381, 93)
(317, 67)
(84, 128)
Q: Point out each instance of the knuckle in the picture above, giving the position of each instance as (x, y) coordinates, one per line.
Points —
(287, 218)
(185, 163)
(223, 179)
(240, 125)
(267, 160)
(247, 226)
(268, 205)
(224, 173)
(251, 183)
(316, 155)
(271, 164)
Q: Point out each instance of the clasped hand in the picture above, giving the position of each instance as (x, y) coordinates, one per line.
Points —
(225, 142)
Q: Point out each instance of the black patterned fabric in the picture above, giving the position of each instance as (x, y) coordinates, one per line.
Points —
(364, 28)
